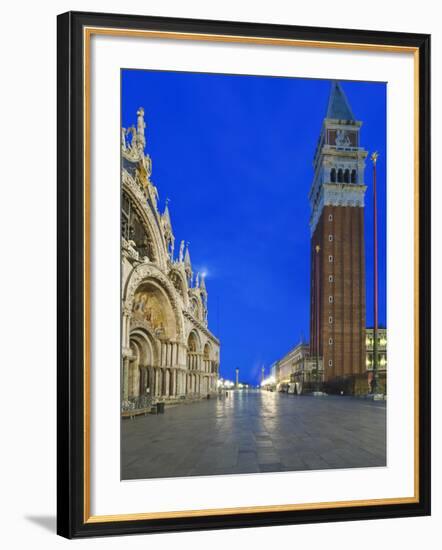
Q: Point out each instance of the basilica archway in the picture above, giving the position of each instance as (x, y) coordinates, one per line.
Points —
(154, 342)
(151, 296)
(194, 362)
(141, 370)
(151, 304)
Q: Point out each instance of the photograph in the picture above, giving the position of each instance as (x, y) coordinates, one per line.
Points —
(253, 274)
(243, 273)
(231, 215)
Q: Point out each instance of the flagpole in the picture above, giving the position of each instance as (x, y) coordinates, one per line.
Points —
(374, 158)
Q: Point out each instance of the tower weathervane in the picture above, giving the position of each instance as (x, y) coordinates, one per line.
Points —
(374, 157)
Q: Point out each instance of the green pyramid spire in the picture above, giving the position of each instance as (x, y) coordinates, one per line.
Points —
(338, 105)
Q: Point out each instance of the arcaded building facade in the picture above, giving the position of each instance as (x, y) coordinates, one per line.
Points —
(297, 367)
(168, 351)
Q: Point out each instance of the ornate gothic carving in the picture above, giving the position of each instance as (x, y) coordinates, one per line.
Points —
(156, 289)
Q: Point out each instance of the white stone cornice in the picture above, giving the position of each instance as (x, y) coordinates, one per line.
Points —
(337, 194)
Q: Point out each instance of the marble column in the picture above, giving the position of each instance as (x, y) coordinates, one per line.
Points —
(163, 354)
(125, 329)
(166, 382)
(141, 380)
(125, 378)
(151, 381)
(173, 384)
(157, 382)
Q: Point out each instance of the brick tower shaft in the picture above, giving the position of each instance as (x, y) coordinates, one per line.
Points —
(337, 319)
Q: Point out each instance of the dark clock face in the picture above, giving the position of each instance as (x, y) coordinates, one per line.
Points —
(342, 138)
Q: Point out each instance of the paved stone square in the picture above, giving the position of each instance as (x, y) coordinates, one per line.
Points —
(255, 431)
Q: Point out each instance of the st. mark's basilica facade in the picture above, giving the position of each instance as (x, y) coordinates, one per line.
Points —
(168, 351)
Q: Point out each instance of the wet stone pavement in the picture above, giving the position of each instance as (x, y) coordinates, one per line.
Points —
(253, 431)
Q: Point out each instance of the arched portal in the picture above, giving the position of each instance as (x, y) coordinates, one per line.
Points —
(141, 366)
(133, 372)
(207, 351)
(194, 360)
(207, 358)
(192, 342)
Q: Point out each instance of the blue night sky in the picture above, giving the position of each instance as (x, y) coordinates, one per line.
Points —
(234, 155)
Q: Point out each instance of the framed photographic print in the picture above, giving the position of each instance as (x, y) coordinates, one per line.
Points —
(243, 274)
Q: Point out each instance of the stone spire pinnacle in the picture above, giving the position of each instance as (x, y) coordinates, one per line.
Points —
(166, 213)
(187, 256)
(188, 265)
(338, 105)
(181, 253)
(141, 125)
(203, 283)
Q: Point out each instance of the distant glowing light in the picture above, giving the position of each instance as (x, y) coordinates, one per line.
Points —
(270, 381)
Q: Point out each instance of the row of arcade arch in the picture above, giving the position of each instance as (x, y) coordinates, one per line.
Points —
(343, 176)
(158, 361)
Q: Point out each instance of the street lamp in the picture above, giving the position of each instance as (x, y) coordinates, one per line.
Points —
(374, 158)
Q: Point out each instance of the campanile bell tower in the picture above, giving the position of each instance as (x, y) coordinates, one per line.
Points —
(337, 316)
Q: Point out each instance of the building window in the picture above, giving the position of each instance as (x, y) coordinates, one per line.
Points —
(330, 341)
(353, 176)
(330, 299)
(330, 320)
(347, 176)
(330, 217)
(330, 363)
(340, 176)
(330, 238)
(333, 175)
(330, 278)
(330, 258)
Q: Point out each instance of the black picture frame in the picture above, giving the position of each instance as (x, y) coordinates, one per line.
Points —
(72, 520)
